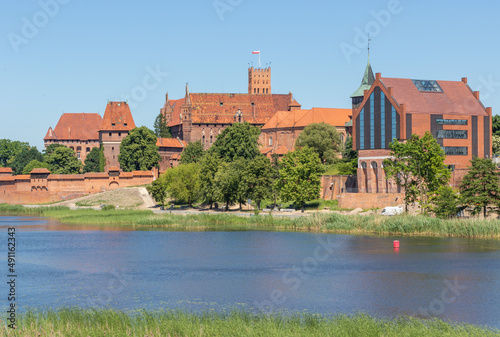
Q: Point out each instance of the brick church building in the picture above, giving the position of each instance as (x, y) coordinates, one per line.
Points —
(202, 116)
(384, 109)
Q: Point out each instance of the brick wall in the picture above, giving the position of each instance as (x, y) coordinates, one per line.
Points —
(369, 200)
(30, 190)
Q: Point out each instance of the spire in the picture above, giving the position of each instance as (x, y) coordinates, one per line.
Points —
(188, 98)
(367, 81)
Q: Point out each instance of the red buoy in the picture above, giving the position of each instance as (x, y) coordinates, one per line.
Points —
(396, 243)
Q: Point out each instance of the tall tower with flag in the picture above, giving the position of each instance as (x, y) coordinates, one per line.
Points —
(259, 80)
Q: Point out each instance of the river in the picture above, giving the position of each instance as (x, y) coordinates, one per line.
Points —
(57, 265)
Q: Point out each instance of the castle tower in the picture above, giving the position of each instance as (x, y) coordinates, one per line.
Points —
(259, 81)
(115, 125)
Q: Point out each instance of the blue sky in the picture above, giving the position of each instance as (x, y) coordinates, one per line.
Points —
(73, 55)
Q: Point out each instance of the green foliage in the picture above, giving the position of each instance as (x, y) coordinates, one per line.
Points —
(495, 140)
(239, 140)
(418, 167)
(23, 158)
(93, 161)
(257, 180)
(209, 165)
(63, 161)
(300, 176)
(50, 148)
(479, 188)
(446, 203)
(348, 152)
(347, 167)
(183, 183)
(321, 137)
(33, 165)
(193, 152)
(158, 190)
(495, 125)
(9, 149)
(138, 151)
(161, 128)
(227, 182)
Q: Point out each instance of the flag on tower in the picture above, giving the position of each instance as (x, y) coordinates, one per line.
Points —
(256, 52)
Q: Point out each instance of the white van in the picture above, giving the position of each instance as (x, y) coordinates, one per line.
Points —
(392, 210)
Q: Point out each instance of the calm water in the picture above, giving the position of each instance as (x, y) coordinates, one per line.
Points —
(454, 279)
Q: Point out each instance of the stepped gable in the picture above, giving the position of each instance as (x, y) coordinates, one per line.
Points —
(75, 126)
(117, 117)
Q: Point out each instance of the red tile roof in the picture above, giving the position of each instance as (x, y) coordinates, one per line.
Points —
(117, 117)
(302, 118)
(170, 142)
(114, 168)
(456, 98)
(221, 108)
(5, 170)
(76, 126)
(39, 170)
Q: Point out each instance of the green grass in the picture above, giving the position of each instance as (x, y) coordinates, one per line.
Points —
(79, 322)
(318, 222)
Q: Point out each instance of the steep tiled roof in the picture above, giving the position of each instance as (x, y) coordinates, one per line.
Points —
(170, 142)
(302, 118)
(221, 108)
(366, 82)
(117, 117)
(5, 170)
(40, 170)
(76, 126)
(456, 98)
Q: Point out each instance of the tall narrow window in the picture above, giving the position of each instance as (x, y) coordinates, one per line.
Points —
(382, 120)
(372, 121)
(394, 124)
(362, 129)
(270, 141)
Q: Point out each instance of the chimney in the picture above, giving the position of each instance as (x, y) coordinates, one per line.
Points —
(464, 79)
(476, 94)
(378, 76)
(489, 111)
(389, 90)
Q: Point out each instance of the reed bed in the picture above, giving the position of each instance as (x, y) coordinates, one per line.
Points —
(318, 222)
(108, 322)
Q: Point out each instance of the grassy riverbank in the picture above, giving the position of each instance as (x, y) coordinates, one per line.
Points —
(78, 322)
(322, 222)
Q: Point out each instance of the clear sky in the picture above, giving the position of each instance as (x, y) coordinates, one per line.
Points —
(73, 55)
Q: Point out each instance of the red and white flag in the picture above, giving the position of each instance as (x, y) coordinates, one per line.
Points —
(256, 52)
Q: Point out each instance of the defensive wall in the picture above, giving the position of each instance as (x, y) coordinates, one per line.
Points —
(43, 187)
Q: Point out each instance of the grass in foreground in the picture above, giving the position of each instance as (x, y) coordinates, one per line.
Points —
(318, 222)
(79, 322)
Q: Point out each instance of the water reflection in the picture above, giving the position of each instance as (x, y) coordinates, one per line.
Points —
(62, 265)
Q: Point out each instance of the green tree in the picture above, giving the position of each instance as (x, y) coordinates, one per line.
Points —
(93, 161)
(9, 149)
(33, 165)
(495, 144)
(63, 161)
(322, 138)
(479, 188)
(300, 176)
(193, 152)
(50, 148)
(23, 158)
(209, 165)
(348, 152)
(495, 125)
(417, 165)
(238, 168)
(257, 180)
(240, 140)
(161, 128)
(226, 184)
(183, 183)
(138, 151)
(158, 190)
(446, 203)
